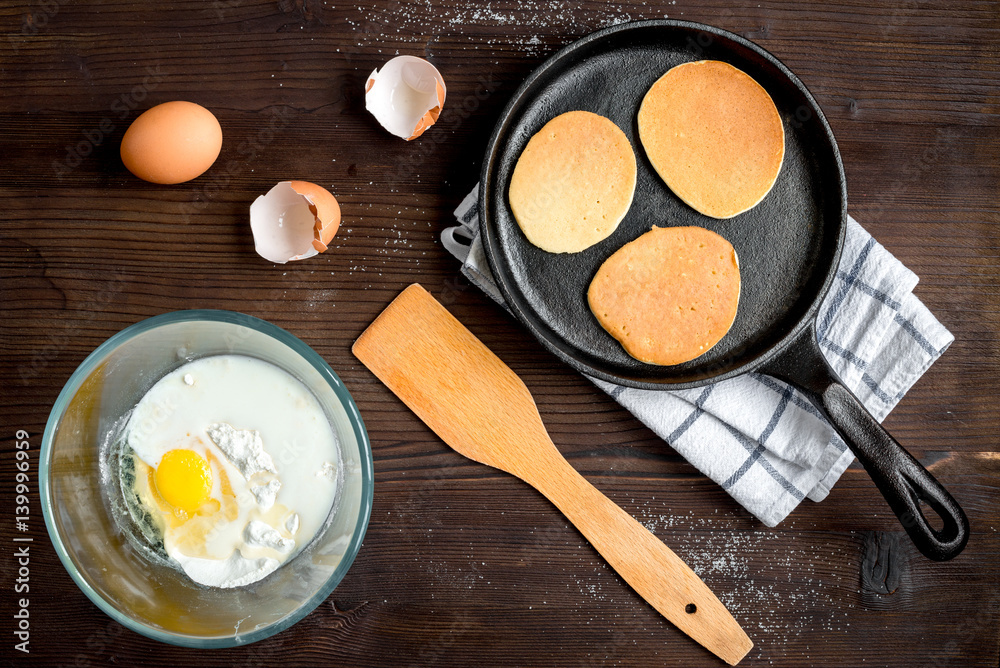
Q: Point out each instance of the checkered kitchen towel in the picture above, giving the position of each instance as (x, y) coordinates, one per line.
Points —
(756, 436)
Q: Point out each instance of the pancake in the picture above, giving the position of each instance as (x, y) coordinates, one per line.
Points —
(668, 296)
(573, 183)
(714, 136)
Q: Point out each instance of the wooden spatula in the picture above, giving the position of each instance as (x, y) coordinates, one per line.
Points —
(479, 407)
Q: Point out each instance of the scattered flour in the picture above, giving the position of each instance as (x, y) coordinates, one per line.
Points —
(775, 592)
(565, 22)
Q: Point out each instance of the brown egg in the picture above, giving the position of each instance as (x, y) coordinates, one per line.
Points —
(173, 142)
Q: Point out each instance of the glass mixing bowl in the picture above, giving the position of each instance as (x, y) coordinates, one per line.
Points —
(80, 512)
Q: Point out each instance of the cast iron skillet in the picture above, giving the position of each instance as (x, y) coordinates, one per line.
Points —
(789, 247)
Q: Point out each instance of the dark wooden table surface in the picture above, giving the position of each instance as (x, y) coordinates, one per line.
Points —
(463, 565)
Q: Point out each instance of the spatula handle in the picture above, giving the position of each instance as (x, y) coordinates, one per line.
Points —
(649, 566)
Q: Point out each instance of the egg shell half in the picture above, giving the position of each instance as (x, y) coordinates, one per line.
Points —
(406, 96)
(172, 143)
(295, 220)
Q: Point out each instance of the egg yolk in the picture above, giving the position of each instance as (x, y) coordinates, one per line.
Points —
(184, 479)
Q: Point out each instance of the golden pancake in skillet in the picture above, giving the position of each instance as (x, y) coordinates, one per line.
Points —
(714, 135)
(573, 183)
(668, 296)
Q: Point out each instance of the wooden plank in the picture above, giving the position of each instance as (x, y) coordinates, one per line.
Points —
(461, 565)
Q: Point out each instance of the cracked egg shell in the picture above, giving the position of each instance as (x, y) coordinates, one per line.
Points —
(295, 220)
(405, 96)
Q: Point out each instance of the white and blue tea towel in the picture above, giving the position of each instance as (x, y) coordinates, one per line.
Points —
(756, 436)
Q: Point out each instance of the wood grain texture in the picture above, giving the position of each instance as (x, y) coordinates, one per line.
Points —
(463, 565)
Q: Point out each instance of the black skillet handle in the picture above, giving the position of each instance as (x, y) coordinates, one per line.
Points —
(903, 481)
